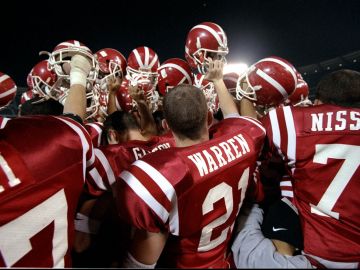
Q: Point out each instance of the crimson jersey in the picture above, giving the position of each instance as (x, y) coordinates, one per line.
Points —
(111, 160)
(95, 130)
(193, 192)
(321, 146)
(42, 173)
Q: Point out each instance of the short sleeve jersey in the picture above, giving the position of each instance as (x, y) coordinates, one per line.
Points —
(321, 148)
(193, 192)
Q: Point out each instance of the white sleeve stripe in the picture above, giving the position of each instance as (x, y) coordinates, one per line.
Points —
(275, 131)
(254, 121)
(285, 184)
(145, 195)
(84, 143)
(105, 163)
(96, 127)
(290, 126)
(287, 193)
(290, 204)
(97, 178)
(165, 185)
(91, 160)
(4, 122)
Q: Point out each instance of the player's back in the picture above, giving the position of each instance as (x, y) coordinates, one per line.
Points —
(194, 193)
(111, 160)
(42, 174)
(322, 147)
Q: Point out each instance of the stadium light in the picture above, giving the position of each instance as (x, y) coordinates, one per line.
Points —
(238, 68)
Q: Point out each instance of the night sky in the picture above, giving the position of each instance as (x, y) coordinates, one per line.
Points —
(301, 31)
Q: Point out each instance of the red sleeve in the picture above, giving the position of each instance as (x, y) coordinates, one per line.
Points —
(141, 200)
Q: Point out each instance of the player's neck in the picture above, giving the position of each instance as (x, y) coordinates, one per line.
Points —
(188, 142)
(136, 135)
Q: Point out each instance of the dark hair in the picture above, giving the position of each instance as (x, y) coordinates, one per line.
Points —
(120, 121)
(38, 106)
(341, 88)
(185, 111)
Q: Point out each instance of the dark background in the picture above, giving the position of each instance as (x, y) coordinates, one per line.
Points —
(302, 31)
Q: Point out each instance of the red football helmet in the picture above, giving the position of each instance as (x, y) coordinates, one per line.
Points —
(29, 80)
(62, 54)
(209, 91)
(123, 100)
(268, 82)
(142, 67)
(7, 90)
(205, 40)
(111, 62)
(44, 81)
(300, 96)
(173, 72)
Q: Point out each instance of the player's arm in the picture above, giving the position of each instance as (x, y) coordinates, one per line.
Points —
(114, 84)
(252, 250)
(145, 249)
(75, 103)
(215, 75)
(247, 108)
(147, 122)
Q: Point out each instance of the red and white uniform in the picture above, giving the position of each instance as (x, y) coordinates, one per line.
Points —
(286, 188)
(193, 192)
(111, 160)
(42, 173)
(321, 146)
(95, 130)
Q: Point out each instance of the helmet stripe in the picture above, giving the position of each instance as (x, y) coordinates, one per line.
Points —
(138, 58)
(8, 92)
(273, 82)
(4, 77)
(213, 32)
(155, 59)
(290, 69)
(146, 56)
(179, 68)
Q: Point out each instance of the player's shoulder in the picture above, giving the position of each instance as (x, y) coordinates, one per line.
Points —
(241, 124)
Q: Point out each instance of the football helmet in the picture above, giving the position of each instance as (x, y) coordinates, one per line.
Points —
(8, 90)
(268, 82)
(209, 91)
(300, 96)
(44, 81)
(59, 59)
(142, 67)
(124, 101)
(29, 80)
(111, 63)
(173, 72)
(205, 40)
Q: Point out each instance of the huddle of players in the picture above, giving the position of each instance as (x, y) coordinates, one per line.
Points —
(188, 193)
